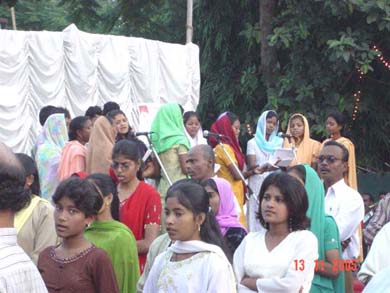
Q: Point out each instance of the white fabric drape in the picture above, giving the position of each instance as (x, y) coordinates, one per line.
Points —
(76, 70)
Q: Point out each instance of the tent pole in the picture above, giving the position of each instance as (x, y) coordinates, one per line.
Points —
(189, 28)
(13, 18)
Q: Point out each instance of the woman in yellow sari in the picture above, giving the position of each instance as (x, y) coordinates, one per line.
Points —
(306, 148)
(334, 126)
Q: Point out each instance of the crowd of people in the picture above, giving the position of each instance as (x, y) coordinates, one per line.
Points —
(92, 209)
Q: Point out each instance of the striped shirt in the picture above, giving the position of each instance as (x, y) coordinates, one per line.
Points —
(378, 220)
(17, 271)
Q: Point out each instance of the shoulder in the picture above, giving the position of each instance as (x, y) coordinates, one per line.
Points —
(145, 187)
(44, 205)
(304, 236)
(98, 254)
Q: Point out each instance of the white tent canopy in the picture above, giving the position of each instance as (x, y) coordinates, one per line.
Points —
(76, 70)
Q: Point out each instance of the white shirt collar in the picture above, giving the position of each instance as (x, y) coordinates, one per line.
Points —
(8, 236)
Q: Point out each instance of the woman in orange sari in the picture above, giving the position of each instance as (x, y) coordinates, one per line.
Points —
(334, 126)
(228, 125)
(306, 148)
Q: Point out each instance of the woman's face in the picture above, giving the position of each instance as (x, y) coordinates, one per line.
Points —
(270, 125)
(297, 127)
(181, 223)
(122, 125)
(331, 126)
(214, 199)
(236, 128)
(273, 207)
(124, 168)
(69, 220)
(85, 132)
(192, 126)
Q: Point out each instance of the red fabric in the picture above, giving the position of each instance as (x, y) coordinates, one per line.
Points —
(224, 127)
(141, 208)
(82, 175)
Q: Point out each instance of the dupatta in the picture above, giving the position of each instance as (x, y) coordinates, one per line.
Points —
(316, 212)
(308, 148)
(274, 141)
(227, 216)
(51, 142)
(101, 143)
(168, 128)
(223, 126)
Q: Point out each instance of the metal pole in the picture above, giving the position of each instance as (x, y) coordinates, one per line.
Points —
(13, 18)
(189, 28)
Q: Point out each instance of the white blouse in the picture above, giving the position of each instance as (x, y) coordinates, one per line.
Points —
(203, 272)
(288, 267)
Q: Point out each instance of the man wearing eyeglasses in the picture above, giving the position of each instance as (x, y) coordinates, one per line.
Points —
(342, 202)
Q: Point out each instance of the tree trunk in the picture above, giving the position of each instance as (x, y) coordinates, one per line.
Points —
(268, 53)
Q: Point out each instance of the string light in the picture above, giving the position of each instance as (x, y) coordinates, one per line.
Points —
(358, 93)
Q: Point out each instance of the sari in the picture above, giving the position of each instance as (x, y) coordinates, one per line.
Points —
(51, 142)
(308, 149)
(232, 147)
(120, 245)
(72, 159)
(318, 225)
(101, 143)
(141, 208)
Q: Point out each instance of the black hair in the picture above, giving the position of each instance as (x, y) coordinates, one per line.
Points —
(369, 195)
(338, 117)
(92, 111)
(295, 198)
(128, 149)
(210, 182)
(82, 192)
(109, 106)
(76, 124)
(13, 195)
(112, 114)
(187, 115)
(345, 153)
(232, 117)
(30, 168)
(194, 197)
(45, 112)
(107, 186)
(271, 114)
(65, 111)
(300, 171)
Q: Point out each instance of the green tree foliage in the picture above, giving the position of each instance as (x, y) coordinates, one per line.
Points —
(319, 46)
(35, 14)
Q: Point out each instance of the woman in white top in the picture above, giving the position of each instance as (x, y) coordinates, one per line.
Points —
(259, 150)
(282, 258)
(193, 128)
(195, 262)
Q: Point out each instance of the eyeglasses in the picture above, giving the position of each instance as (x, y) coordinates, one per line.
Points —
(117, 165)
(330, 159)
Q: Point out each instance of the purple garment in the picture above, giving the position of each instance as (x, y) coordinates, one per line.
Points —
(227, 216)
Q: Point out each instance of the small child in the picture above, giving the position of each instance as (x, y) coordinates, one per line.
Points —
(76, 265)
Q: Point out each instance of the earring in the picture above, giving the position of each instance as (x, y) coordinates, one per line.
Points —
(290, 225)
(198, 227)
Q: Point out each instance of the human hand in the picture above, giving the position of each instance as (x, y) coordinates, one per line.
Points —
(249, 282)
